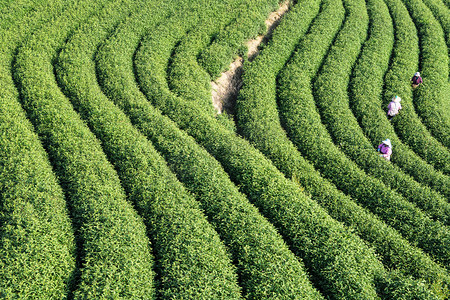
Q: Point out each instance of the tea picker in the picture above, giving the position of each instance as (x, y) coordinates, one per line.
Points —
(416, 80)
(385, 149)
(394, 107)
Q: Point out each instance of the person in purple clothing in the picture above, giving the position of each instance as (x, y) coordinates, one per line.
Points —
(394, 107)
(385, 148)
(416, 80)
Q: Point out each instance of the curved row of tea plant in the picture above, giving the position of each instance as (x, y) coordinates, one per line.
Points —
(256, 246)
(106, 225)
(366, 88)
(404, 62)
(191, 262)
(352, 140)
(259, 91)
(432, 98)
(184, 75)
(297, 217)
(332, 103)
(254, 129)
(442, 13)
(239, 223)
(298, 111)
(366, 85)
(228, 42)
(37, 248)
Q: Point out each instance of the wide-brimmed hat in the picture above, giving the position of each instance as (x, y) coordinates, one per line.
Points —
(396, 99)
(387, 142)
(417, 74)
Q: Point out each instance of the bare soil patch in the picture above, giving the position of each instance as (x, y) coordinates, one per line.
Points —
(226, 88)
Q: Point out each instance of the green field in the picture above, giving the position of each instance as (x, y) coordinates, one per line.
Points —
(120, 178)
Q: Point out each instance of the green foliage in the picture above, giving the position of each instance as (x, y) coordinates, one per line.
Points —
(216, 57)
(404, 62)
(432, 98)
(226, 120)
(191, 261)
(228, 42)
(317, 146)
(114, 254)
(365, 100)
(398, 286)
(441, 12)
(185, 76)
(254, 243)
(36, 237)
(183, 70)
(271, 229)
(260, 127)
(311, 233)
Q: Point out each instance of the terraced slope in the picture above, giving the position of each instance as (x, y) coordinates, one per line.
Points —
(119, 180)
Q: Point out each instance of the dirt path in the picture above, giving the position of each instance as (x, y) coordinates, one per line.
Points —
(226, 88)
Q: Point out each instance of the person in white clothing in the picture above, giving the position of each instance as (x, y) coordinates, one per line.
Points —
(394, 107)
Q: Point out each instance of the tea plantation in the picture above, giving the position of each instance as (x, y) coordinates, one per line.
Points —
(120, 180)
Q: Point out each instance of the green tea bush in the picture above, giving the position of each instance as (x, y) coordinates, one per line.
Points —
(404, 62)
(441, 12)
(229, 41)
(185, 77)
(432, 98)
(366, 87)
(329, 159)
(258, 118)
(311, 233)
(258, 126)
(256, 246)
(114, 253)
(191, 261)
(401, 286)
(183, 70)
(37, 248)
